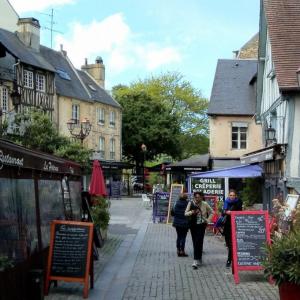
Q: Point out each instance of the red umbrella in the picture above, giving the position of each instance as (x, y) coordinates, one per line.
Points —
(97, 185)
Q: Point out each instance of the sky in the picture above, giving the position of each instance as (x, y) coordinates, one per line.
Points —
(141, 38)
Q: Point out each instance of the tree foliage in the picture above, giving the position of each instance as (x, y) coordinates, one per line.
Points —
(35, 130)
(181, 101)
(146, 121)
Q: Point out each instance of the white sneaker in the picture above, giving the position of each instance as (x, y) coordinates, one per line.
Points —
(194, 265)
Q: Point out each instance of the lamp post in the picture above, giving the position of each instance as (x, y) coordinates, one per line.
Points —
(144, 149)
(84, 129)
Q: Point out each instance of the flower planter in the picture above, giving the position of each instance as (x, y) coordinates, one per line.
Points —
(289, 291)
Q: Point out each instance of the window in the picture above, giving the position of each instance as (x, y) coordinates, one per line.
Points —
(28, 79)
(100, 116)
(112, 146)
(40, 83)
(75, 113)
(102, 147)
(63, 74)
(239, 135)
(112, 119)
(4, 98)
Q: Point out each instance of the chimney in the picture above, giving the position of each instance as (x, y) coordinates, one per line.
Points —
(64, 52)
(29, 32)
(96, 70)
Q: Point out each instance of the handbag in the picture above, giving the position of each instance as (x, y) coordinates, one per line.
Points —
(220, 222)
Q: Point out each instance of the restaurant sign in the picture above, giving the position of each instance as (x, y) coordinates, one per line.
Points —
(209, 186)
(7, 159)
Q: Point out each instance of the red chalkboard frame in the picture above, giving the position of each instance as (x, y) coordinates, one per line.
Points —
(89, 262)
(235, 267)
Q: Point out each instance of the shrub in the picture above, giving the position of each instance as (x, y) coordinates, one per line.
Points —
(100, 212)
(282, 260)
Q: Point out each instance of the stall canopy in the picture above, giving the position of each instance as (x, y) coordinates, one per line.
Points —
(245, 171)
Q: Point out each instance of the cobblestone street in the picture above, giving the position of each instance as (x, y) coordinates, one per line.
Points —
(139, 261)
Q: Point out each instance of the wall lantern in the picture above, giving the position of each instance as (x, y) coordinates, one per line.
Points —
(270, 134)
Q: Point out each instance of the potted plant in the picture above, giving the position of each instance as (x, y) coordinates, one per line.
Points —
(282, 263)
(100, 214)
(5, 263)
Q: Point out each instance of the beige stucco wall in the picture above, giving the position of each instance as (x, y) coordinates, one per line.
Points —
(9, 17)
(220, 136)
(88, 110)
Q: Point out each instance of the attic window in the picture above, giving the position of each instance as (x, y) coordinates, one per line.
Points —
(63, 74)
(91, 87)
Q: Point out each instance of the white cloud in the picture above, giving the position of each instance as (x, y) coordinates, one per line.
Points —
(114, 40)
(22, 6)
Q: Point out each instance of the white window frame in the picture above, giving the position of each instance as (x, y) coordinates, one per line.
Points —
(40, 82)
(28, 79)
(4, 98)
(112, 149)
(100, 115)
(102, 147)
(240, 129)
(76, 113)
(112, 119)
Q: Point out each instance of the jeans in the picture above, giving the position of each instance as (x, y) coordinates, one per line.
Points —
(181, 237)
(197, 232)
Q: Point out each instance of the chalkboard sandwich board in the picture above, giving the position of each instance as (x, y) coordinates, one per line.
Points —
(176, 190)
(250, 231)
(70, 253)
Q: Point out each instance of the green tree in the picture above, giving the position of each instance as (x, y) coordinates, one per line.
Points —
(35, 130)
(146, 121)
(180, 100)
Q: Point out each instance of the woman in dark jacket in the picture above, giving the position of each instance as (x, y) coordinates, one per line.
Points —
(180, 223)
(232, 203)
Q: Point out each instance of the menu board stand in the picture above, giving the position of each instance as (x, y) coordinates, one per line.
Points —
(249, 232)
(70, 254)
(176, 191)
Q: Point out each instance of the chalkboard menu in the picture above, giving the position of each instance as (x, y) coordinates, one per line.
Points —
(116, 187)
(161, 201)
(70, 252)
(176, 190)
(250, 232)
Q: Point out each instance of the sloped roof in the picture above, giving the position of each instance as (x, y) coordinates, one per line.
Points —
(232, 92)
(283, 21)
(201, 160)
(98, 93)
(72, 88)
(27, 55)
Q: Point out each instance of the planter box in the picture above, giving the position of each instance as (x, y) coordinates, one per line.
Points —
(289, 291)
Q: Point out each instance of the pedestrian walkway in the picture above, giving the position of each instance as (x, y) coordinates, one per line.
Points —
(142, 264)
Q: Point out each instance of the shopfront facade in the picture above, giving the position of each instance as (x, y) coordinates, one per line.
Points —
(35, 188)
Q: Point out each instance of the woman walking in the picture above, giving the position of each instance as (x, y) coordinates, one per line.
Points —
(180, 223)
(232, 203)
(200, 214)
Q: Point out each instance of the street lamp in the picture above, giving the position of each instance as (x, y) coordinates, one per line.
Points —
(85, 128)
(270, 134)
(144, 149)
